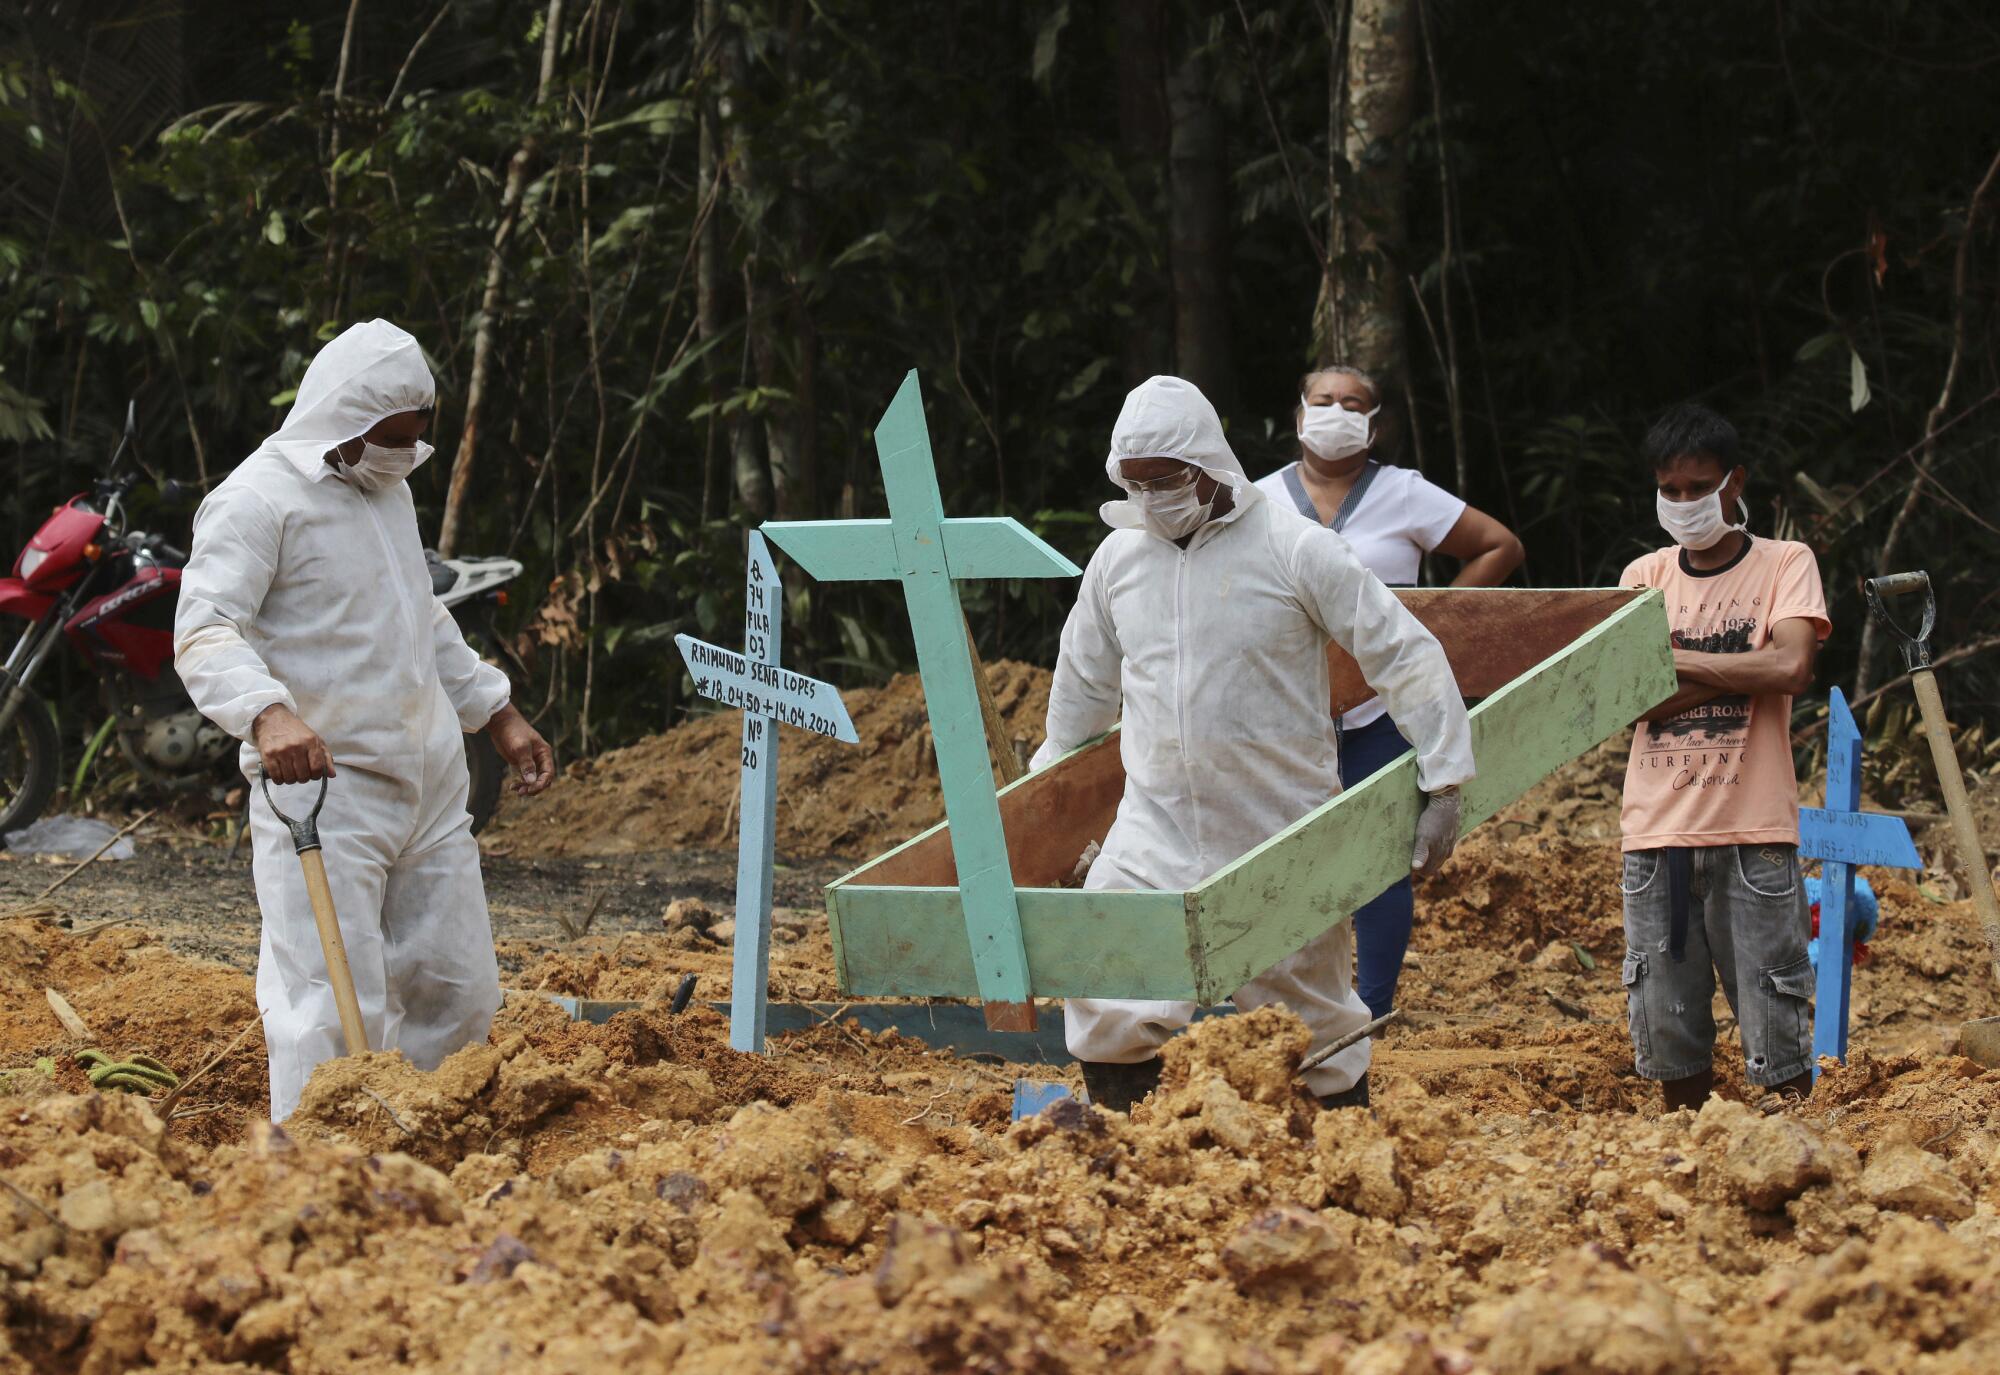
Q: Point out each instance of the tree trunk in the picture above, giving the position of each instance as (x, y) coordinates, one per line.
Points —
(489, 301)
(777, 314)
(1448, 219)
(1360, 319)
(763, 318)
(709, 277)
(1143, 132)
(1328, 328)
(760, 454)
(1198, 227)
(332, 163)
(805, 399)
(752, 477)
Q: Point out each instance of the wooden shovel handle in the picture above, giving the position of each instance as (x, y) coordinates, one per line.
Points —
(1964, 829)
(335, 950)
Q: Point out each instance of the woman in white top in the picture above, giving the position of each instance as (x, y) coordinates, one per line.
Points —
(1392, 517)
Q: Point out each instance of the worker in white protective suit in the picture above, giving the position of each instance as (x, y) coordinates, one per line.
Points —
(307, 629)
(1207, 612)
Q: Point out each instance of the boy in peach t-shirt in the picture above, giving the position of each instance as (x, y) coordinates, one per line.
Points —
(1711, 817)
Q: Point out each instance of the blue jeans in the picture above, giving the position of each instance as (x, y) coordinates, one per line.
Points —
(1381, 927)
(1746, 931)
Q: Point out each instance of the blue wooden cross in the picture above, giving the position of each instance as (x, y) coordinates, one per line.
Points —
(767, 695)
(928, 554)
(1842, 836)
(1032, 1095)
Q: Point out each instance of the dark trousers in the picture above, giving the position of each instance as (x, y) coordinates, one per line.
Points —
(1382, 927)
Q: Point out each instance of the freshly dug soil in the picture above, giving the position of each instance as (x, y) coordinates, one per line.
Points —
(696, 938)
(679, 789)
(134, 997)
(634, 1195)
(637, 1196)
(616, 1199)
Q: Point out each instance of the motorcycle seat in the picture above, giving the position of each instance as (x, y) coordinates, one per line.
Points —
(443, 575)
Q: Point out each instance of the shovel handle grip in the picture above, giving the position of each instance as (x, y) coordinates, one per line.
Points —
(1915, 644)
(305, 830)
(335, 950)
(1901, 584)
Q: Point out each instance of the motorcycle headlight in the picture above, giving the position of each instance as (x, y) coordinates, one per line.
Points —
(31, 559)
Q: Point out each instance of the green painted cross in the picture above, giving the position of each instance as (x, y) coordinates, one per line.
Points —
(929, 554)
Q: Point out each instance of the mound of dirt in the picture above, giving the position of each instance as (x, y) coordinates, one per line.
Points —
(1519, 896)
(679, 788)
(632, 967)
(134, 996)
(545, 1087)
(635, 1195)
(1524, 934)
(1579, 801)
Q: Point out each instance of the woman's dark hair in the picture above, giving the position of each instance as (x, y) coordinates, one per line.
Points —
(1345, 370)
(1688, 428)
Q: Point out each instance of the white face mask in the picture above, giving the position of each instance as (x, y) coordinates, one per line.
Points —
(1699, 524)
(1334, 432)
(378, 467)
(1173, 514)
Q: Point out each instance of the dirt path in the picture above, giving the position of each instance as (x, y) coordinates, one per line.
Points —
(196, 900)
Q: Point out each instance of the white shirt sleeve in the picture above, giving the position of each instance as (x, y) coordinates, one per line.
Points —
(1401, 660)
(475, 688)
(228, 573)
(1085, 697)
(1429, 511)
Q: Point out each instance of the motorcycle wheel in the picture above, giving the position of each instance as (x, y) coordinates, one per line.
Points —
(488, 771)
(30, 759)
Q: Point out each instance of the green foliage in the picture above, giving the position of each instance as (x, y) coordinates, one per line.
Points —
(21, 417)
(1652, 202)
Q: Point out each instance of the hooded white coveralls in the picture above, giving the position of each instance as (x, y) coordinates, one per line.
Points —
(305, 589)
(1218, 653)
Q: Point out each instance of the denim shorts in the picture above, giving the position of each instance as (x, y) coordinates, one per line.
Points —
(1747, 929)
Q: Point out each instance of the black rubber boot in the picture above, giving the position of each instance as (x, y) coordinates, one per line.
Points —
(1115, 1088)
(1356, 1097)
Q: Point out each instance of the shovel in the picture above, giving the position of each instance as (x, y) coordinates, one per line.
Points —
(1980, 1039)
(305, 840)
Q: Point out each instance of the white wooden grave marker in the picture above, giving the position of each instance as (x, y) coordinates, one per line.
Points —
(767, 696)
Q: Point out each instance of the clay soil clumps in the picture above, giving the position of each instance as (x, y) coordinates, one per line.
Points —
(636, 1195)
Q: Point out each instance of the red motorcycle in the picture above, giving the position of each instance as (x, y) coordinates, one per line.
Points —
(111, 593)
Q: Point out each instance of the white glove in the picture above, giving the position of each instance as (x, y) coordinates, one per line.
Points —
(1437, 832)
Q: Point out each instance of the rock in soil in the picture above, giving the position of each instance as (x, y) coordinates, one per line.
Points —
(637, 1197)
